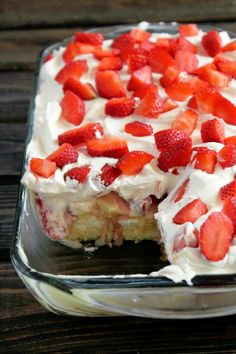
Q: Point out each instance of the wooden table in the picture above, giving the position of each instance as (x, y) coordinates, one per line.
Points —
(25, 28)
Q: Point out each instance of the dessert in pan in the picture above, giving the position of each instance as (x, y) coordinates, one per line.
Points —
(134, 138)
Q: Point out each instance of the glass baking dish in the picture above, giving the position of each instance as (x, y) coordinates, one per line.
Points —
(108, 281)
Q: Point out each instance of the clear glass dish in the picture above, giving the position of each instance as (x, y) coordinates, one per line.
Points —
(109, 281)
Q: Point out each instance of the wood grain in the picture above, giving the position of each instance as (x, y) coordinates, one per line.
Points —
(60, 13)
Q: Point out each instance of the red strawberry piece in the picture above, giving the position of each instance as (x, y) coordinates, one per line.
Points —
(219, 58)
(100, 53)
(169, 76)
(142, 91)
(140, 78)
(215, 78)
(168, 105)
(227, 156)
(181, 43)
(107, 147)
(186, 61)
(108, 84)
(180, 89)
(211, 42)
(165, 139)
(81, 135)
(84, 91)
(190, 212)
(120, 107)
(229, 47)
(89, 38)
(205, 160)
(230, 140)
(147, 46)
(133, 162)
(178, 154)
(192, 103)
(70, 52)
(189, 29)
(181, 191)
(139, 35)
(229, 209)
(186, 122)
(74, 69)
(48, 57)
(150, 106)
(212, 130)
(79, 174)
(125, 43)
(201, 70)
(109, 174)
(163, 43)
(42, 167)
(228, 68)
(160, 59)
(73, 108)
(228, 191)
(215, 236)
(110, 63)
(64, 155)
(206, 100)
(135, 62)
(83, 48)
(138, 129)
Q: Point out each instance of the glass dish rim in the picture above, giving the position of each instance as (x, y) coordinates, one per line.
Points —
(65, 282)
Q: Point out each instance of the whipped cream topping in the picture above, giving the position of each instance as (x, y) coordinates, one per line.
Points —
(48, 124)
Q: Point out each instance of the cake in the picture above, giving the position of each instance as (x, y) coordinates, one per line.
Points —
(134, 138)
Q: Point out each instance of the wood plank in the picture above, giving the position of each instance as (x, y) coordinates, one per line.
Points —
(26, 325)
(26, 14)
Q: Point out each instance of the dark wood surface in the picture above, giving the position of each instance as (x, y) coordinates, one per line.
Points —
(25, 327)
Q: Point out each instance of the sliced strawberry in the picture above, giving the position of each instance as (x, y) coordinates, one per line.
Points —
(107, 147)
(229, 47)
(181, 43)
(42, 167)
(163, 43)
(189, 29)
(138, 129)
(93, 38)
(84, 91)
(168, 105)
(125, 43)
(186, 122)
(192, 103)
(64, 155)
(178, 154)
(74, 69)
(70, 52)
(165, 139)
(108, 84)
(133, 162)
(160, 59)
(84, 48)
(48, 57)
(81, 135)
(219, 58)
(199, 71)
(169, 76)
(120, 107)
(79, 174)
(228, 191)
(228, 67)
(205, 160)
(109, 174)
(139, 35)
(135, 62)
(230, 140)
(100, 53)
(215, 78)
(181, 191)
(180, 89)
(185, 61)
(73, 108)
(140, 78)
(147, 46)
(150, 106)
(190, 212)
(110, 63)
(212, 130)
(211, 42)
(142, 91)
(215, 236)
(229, 209)
(227, 156)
